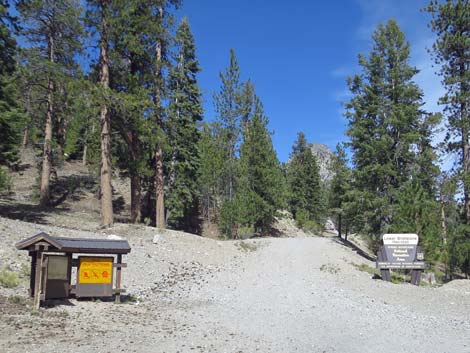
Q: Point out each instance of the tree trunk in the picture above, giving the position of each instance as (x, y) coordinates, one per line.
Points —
(466, 173)
(45, 197)
(159, 178)
(159, 184)
(136, 188)
(25, 137)
(26, 127)
(465, 122)
(339, 225)
(85, 147)
(443, 223)
(106, 188)
(136, 198)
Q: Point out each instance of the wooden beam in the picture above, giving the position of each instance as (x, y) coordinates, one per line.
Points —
(32, 274)
(123, 265)
(37, 279)
(118, 277)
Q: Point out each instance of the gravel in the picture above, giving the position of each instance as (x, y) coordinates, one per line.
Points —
(192, 294)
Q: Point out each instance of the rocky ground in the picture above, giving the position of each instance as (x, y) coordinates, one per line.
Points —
(187, 293)
(191, 294)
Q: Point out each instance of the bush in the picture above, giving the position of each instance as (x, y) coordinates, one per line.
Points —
(16, 299)
(5, 180)
(304, 222)
(229, 219)
(8, 279)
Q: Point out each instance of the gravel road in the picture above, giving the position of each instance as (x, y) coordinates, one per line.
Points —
(269, 295)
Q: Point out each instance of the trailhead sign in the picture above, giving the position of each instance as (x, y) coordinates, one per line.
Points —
(401, 251)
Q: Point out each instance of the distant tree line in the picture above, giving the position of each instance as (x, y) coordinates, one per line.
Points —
(114, 84)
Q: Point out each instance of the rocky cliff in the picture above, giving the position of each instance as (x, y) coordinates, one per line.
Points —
(324, 156)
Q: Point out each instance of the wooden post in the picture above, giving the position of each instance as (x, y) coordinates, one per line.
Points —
(32, 274)
(37, 279)
(118, 279)
(69, 274)
(384, 272)
(415, 277)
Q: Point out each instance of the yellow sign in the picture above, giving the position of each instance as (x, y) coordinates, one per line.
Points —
(95, 270)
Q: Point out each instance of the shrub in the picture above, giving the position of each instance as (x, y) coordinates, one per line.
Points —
(5, 180)
(16, 299)
(8, 278)
(304, 222)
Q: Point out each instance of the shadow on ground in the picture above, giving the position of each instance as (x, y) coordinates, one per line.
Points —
(355, 248)
(27, 212)
(72, 187)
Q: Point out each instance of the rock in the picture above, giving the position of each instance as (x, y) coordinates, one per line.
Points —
(324, 156)
(114, 237)
(329, 225)
(429, 278)
(157, 238)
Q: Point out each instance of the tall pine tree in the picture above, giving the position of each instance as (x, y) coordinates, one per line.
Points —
(259, 195)
(10, 114)
(339, 187)
(184, 113)
(53, 30)
(451, 23)
(227, 107)
(305, 191)
(385, 121)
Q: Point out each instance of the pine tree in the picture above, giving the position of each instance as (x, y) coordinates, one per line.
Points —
(53, 30)
(210, 171)
(260, 182)
(227, 107)
(161, 20)
(81, 132)
(185, 111)
(451, 23)
(416, 212)
(131, 56)
(303, 175)
(385, 118)
(339, 187)
(101, 21)
(228, 110)
(10, 114)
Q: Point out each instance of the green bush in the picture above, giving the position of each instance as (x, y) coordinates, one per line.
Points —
(304, 222)
(366, 268)
(8, 278)
(247, 247)
(5, 180)
(229, 219)
(16, 299)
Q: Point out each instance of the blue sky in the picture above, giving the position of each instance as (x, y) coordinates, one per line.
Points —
(299, 54)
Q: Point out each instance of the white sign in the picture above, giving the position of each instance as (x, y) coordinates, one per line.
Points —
(400, 251)
(400, 239)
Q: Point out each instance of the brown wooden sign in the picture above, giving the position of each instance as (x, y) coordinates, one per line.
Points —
(52, 259)
(400, 251)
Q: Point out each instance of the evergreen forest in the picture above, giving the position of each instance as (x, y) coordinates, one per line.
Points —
(114, 85)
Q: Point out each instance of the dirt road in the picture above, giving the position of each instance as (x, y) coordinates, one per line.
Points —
(271, 295)
(302, 295)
